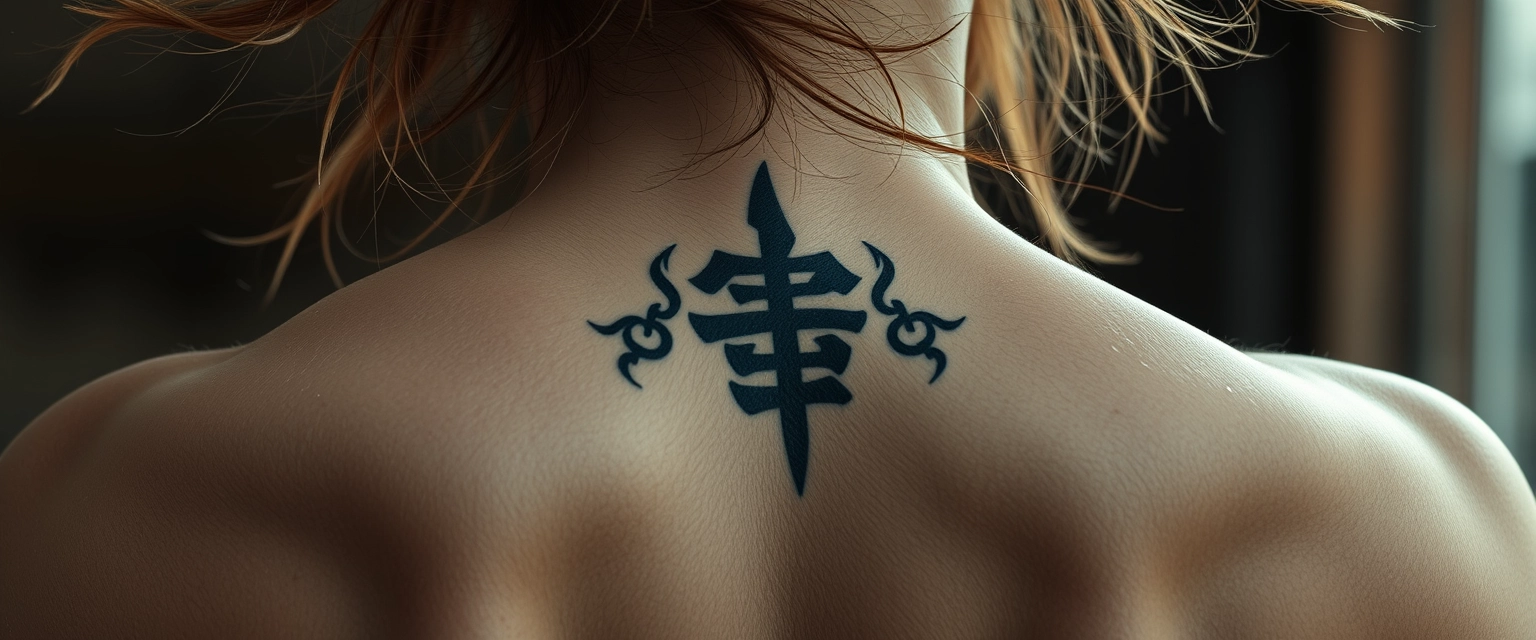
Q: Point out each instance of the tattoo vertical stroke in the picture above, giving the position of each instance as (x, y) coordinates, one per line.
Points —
(790, 394)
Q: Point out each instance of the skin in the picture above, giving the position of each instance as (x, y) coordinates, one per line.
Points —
(445, 449)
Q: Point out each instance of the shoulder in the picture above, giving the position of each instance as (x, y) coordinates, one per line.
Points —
(268, 488)
(60, 439)
(111, 523)
(1441, 435)
(1419, 522)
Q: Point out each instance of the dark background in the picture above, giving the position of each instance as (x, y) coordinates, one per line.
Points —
(103, 261)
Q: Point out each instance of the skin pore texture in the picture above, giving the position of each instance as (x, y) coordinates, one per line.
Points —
(451, 448)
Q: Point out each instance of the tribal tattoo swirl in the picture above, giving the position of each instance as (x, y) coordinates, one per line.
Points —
(649, 325)
(908, 320)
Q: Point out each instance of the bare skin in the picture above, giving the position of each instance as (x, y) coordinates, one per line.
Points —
(446, 450)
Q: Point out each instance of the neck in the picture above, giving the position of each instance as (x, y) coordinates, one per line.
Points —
(644, 131)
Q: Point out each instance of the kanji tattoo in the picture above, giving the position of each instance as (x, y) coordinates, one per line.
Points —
(790, 394)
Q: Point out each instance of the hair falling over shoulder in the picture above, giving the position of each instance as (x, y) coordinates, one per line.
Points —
(1044, 75)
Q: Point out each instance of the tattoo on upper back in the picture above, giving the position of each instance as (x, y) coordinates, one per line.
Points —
(650, 324)
(790, 394)
(906, 320)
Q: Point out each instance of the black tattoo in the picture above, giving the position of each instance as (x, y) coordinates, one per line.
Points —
(908, 320)
(790, 394)
(650, 324)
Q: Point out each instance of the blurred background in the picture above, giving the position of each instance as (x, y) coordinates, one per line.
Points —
(1364, 195)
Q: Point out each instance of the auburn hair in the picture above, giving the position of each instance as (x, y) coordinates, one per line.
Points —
(1043, 73)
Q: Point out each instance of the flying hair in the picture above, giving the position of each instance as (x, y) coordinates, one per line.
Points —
(1045, 75)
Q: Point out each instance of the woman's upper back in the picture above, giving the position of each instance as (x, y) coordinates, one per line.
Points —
(457, 446)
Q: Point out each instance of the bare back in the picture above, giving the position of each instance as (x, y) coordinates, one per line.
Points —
(456, 447)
